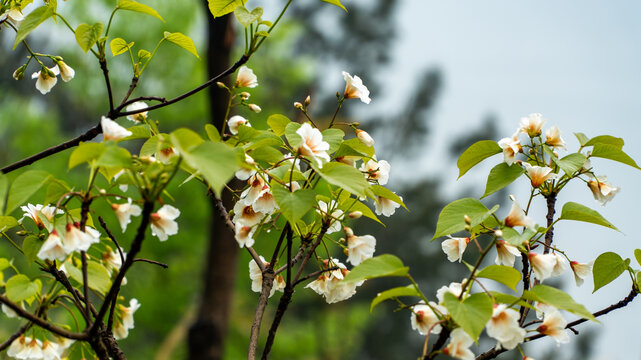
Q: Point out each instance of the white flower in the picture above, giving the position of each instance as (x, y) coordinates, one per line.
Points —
(542, 265)
(454, 288)
(53, 249)
(458, 347)
(504, 327)
(46, 79)
(9, 311)
(112, 131)
(454, 248)
(255, 108)
(330, 284)
(18, 346)
(517, 216)
(581, 271)
(384, 206)
(602, 190)
(165, 155)
(423, 318)
(245, 173)
(50, 351)
(255, 189)
(554, 139)
(244, 235)
(34, 211)
(334, 218)
(511, 146)
(14, 14)
(162, 222)
(313, 144)
(506, 253)
(76, 240)
(112, 260)
(125, 211)
(246, 78)
(348, 160)
(360, 248)
(554, 326)
(235, 122)
(532, 124)
(123, 187)
(354, 88)
(560, 266)
(246, 215)
(256, 277)
(126, 322)
(25, 348)
(137, 106)
(364, 137)
(265, 203)
(66, 72)
(377, 171)
(539, 174)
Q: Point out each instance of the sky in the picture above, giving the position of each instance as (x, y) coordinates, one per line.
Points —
(576, 62)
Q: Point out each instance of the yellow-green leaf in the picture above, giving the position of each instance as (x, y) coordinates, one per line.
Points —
(31, 22)
(87, 35)
(183, 41)
(119, 46)
(476, 153)
(336, 2)
(138, 7)
(223, 7)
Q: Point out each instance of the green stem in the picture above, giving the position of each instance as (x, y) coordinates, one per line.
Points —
(110, 19)
(152, 56)
(340, 104)
(476, 266)
(269, 31)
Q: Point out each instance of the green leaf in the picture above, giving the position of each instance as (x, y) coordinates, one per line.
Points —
(119, 46)
(506, 275)
(558, 299)
(293, 205)
(262, 33)
(24, 186)
(86, 152)
(510, 299)
(637, 255)
(87, 35)
(334, 137)
(55, 191)
(378, 266)
(578, 212)
(4, 264)
(475, 154)
(185, 139)
(354, 147)
(612, 152)
(409, 290)
(98, 277)
(514, 237)
(572, 163)
(386, 193)
(245, 17)
(223, 7)
(143, 54)
(138, 132)
(451, 219)
(267, 154)
(138, 7)
(7, 222)
(30, 247)
(607, 267)
(343, 176)
(31, 22)
(217, 162)
(278, 123)
(292, 137)
(115, 156)
(582, 138)
(247, 133)
(335, 2)
(605, 139)
(20, 288)
(212, 133)
(472, 314)
(183, 41)
(501, 176)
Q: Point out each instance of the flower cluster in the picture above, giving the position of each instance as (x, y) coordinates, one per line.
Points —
(28, 348)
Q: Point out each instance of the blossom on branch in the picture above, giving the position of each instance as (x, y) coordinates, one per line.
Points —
(454, 247)
(246, 78)
(364, 137)
(121, 327)
(511, 146)
(360, 248)
(112, 131)
(581, 271)
(542, 264)
(504, 327)
(506, 253)
(385, 206)
(459, 344)
(554, 139)
(532, 124)
(125, 211)
(47, 79)
(334, 218)
(235, 122)
(66, 72)
(554, 326)
(313, 144)
(354, 88)
(52, 248)
(423, 318)
(539, 174)
(162, 222)
(517, 216)
(34, 211)
(139, 106)
(376, 171)
(602, 190)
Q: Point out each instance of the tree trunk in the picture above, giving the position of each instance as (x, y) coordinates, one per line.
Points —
(207, 334)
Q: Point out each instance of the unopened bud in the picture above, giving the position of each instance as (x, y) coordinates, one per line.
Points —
(308, 100)
(555, 153)
(531, 151)
(468, 228)
(21, 233)
(498, 233)
(255, 108)
(298, 105)
(467, 220)
(102, 191)
(348, 231)
(364, 137)
(346, 251)
(221, 85)
(341, 240)
(244, 95)
(19, 73)
(355, 214)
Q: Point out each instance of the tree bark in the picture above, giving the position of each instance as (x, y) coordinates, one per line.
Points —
(207, 334)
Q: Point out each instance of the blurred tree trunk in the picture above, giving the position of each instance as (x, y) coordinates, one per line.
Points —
(207, 334)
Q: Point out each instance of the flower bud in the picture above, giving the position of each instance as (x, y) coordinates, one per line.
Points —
(244, 95)
(348, 231)
(468, 228)
(346, 251)
(21, 232)
(221, 85)
(498, 233)
(467, 219)
(102, 191)
(308, 100)
(255, 108)
(298, 105)
(19, 73)
(355, 214)
(364, 137)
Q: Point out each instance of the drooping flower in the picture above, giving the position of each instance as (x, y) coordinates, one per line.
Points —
(330, 284)
(454, 247)
(50, 350)
(77, 240)
(255, 108)
(539, 174)
(364, 137)
(560, 265)
(137, 106)
(554, 139)
(554, 326)
(162, 222)
(52, 248)
(165, 155)
(235, 122)
(532, 124)
(245, 173)
(246, 78)
(459, 344)
(602, 190)
(511, 146)
(354, 88)
(335, 217)
(34, 211)
(125, 211)
(517, 216)
(246, 215)
(121, 328)
(504, 327)
(581, 271)
(25, 348)
(14, 14)
(542, 265)
(112, 260)
(66, 72)
(265, 203)
(244, 235)
(506, 253)
(386, 207)
(313, 144)
(360, 248)
(18, 346)
(423, 318)
(47, 79)
(454, 288)
(112, 131)
(256, 277)
(253, 192)
(377, 170)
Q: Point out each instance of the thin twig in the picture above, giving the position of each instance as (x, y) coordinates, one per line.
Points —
(14, 336)
(105, 72)
(163, 265)
(113, 238)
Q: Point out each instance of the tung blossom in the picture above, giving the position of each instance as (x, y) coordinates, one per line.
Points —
(141, 115)
(517, 216)
(377, 171)
(121, 328)
(235, 122)
(554, 326)
(532, 124)
(34, 211)
(511, 146)
(256, 277)
(454, 288)
(47, 79)
(386, 207)
(423, 318)
(554, 139)
(542, 265)
(125, 211)
(539, 174)
(454, 247)
(364, 137)
(246, 215)
(360, 248)
(560, 266)
(245, 173)
(66, 72)
(458, 347)
(504, 327)
(354, 88)
(77, 240)
(246, 78)
(52, 248)
(581, 271)
(162, 222)
(506, 253)
(331, 285)
(602, 190)
(244, 235)
(313, 144)
(112, 131)
(334, 218)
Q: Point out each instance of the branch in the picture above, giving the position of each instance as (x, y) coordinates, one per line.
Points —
(319, 238)
(551, 201)
(268, 282)
(112, 237)
(162, 265)
(105, 72)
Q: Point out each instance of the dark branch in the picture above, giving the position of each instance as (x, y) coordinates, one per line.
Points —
(162, 265)
(14, 336)
(113, 238)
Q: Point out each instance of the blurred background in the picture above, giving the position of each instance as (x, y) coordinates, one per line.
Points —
(442, 75)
